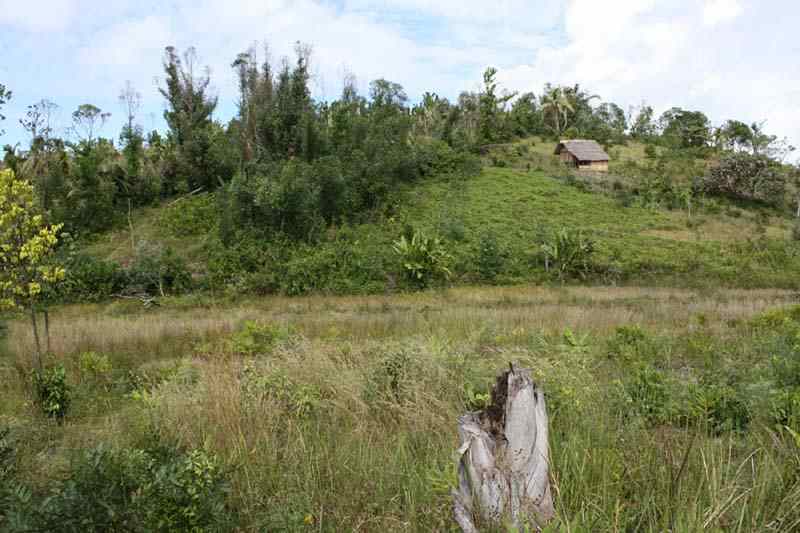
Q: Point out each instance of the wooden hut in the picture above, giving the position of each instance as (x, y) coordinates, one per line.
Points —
(583, 154)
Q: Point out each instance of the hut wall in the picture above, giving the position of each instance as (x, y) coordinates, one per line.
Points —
(594, 166)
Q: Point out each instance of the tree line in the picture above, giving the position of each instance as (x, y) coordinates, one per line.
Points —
(292, 165)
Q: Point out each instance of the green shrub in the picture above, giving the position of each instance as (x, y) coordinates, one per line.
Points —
(453, 229)
(191, 215)
(490, 257)
(298, 399)
(257, 338)
(435, 157)
(157, 271)
(336, 267)
(90, 279)
(721, 406)
(746, 177)
(232, 266)
(777, 319)
(630, 344)
(424, 259)
(796, 231)
(7, 462)
(568, 253)
(712, 207)
(498, 162)
(785, 408)
(646, 394)
(94, 365)
(786, 365)
(390, 380)
(135, 490)
(476, 397)
(52, 391)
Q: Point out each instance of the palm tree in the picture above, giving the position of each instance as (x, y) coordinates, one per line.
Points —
(557, 102)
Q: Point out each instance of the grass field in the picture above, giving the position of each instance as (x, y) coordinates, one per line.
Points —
(669, 407)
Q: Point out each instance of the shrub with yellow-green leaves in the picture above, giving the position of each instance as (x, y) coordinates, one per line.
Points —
(26, 243)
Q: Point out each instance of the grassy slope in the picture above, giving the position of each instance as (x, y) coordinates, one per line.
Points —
(522, 207)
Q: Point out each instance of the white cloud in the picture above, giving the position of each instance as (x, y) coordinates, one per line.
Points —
(701, 54)
(717, 11)
(33, 16)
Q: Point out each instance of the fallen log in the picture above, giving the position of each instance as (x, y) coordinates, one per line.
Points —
(504, 469)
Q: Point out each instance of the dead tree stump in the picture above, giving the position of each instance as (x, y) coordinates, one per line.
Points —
(504, 470)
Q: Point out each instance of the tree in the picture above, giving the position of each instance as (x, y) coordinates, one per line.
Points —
(525, 117)
(642, 126)
(26, 245)
(747, 177)
(46, 162)
(188, 115)
(86, 120)
(5, 96)
(132, 142)
(38, 120)
(488, 107)
(430, 116)
(735, 135)
(556, 105)
(685, 129)
(612, 123)
(131, 101)
(769, 145)
(491, 108)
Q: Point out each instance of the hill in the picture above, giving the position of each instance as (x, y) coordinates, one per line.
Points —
(519, 202)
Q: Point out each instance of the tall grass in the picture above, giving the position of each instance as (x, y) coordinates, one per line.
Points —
(339, 414)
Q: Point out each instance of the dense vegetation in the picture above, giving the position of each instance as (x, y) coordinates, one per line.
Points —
(174, 387)
(296, 195)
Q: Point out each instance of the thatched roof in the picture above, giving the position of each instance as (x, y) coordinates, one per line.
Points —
(583, 150)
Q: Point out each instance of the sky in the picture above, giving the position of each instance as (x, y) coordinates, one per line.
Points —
(728, 58)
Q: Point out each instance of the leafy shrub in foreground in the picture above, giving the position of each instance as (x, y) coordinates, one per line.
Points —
(135, 490)
(52, 391)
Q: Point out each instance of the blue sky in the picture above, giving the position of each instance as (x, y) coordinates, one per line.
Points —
(729, 58)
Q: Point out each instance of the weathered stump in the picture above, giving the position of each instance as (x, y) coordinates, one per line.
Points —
(504, 470)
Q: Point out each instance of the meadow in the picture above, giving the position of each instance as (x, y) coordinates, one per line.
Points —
(670, 409)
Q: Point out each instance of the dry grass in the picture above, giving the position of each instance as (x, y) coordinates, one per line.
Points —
(459, 312)
(348, 423)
